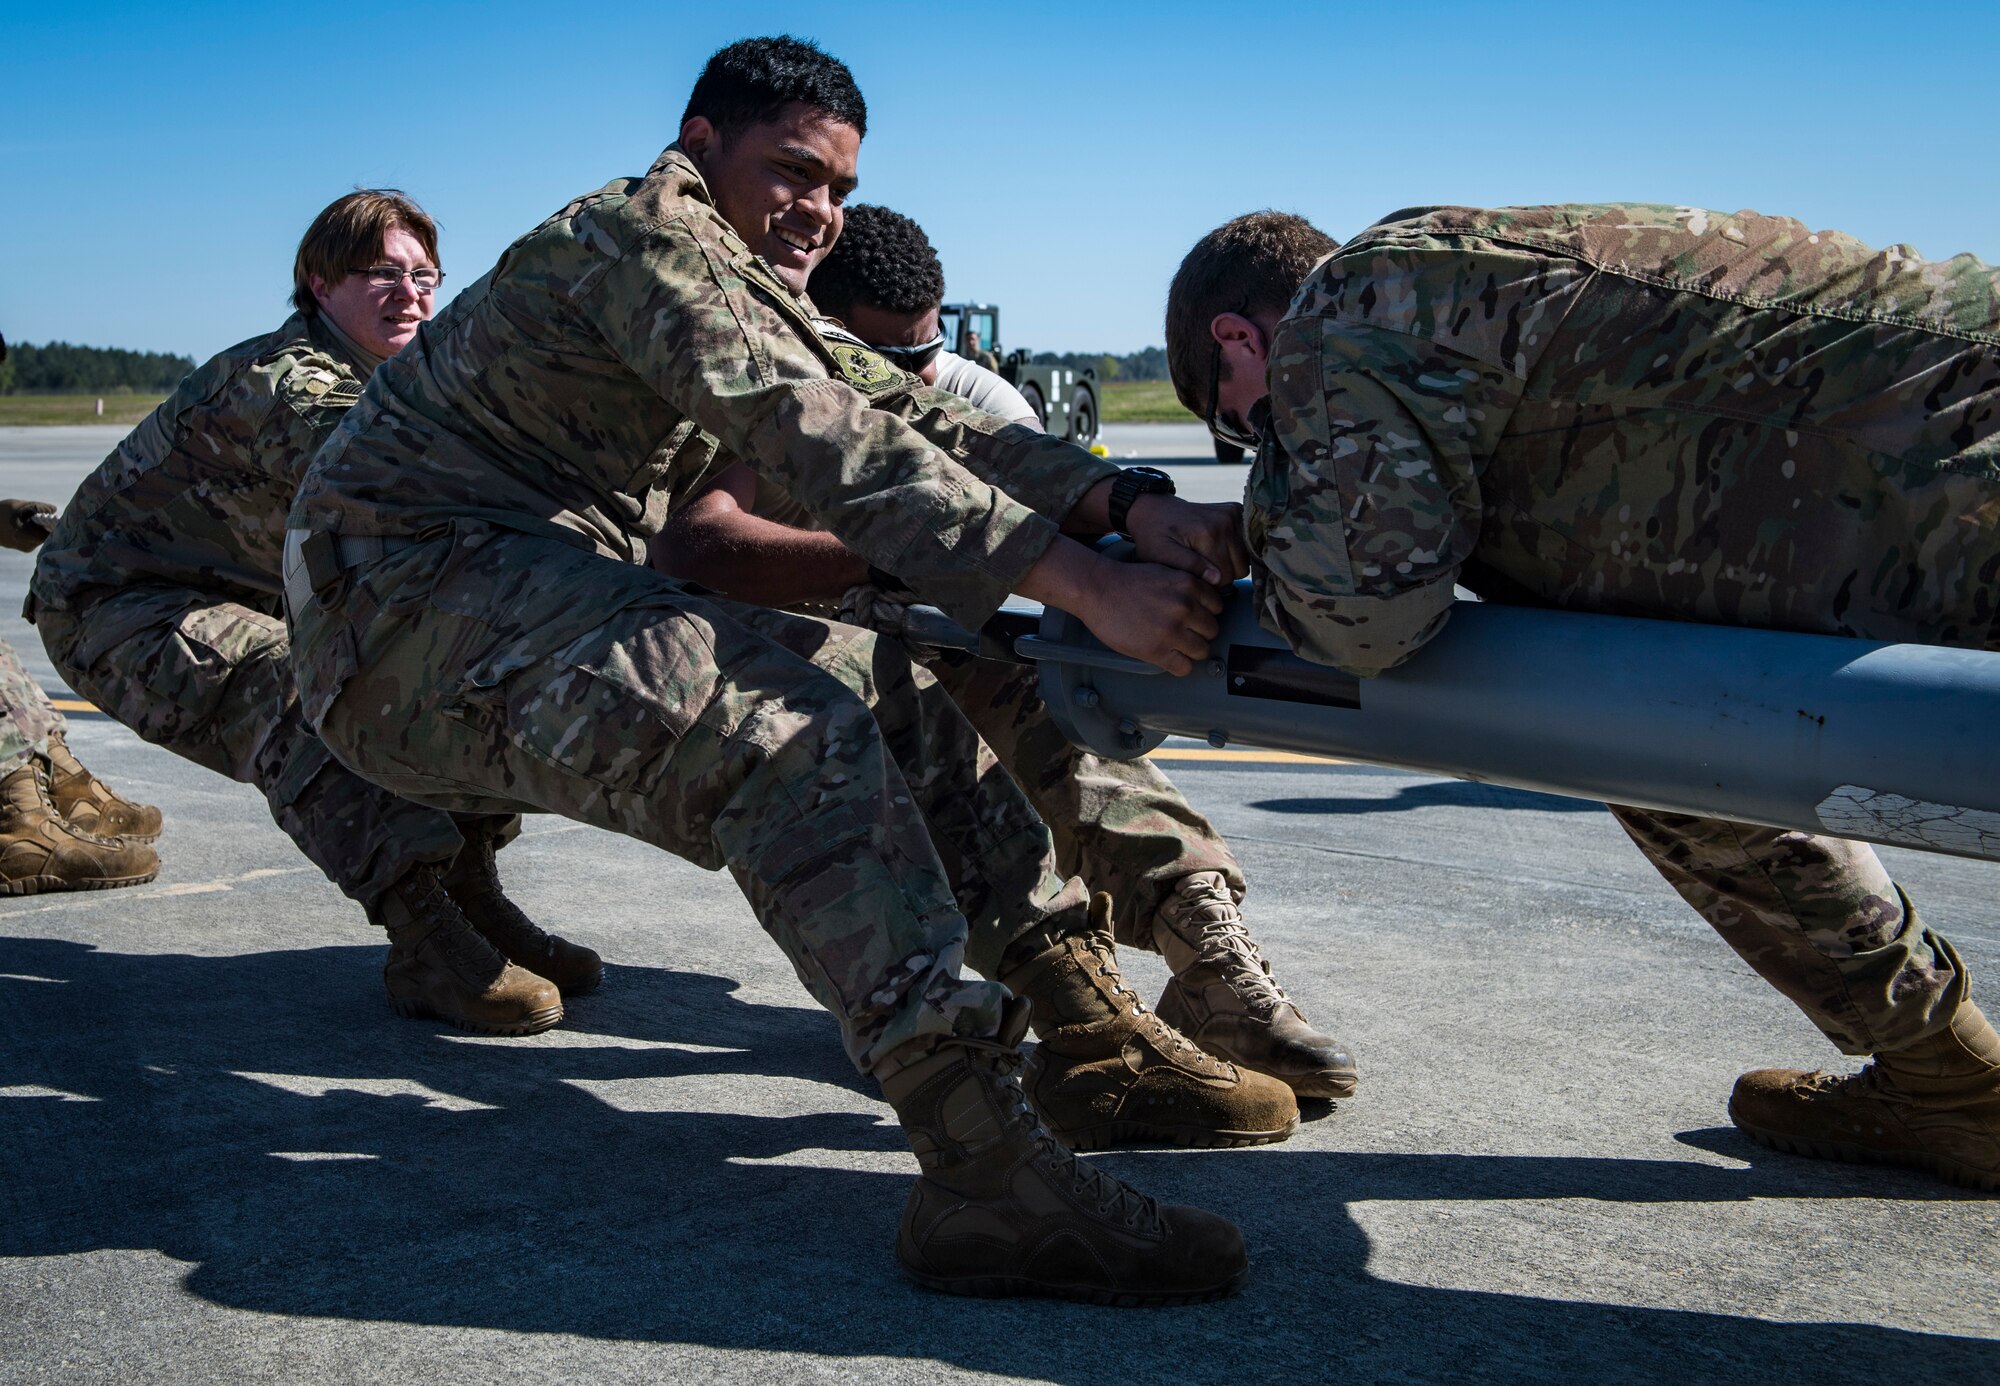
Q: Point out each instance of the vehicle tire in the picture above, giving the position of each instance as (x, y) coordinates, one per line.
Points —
(1082, 417)
(1229, 455)
(1032, 393)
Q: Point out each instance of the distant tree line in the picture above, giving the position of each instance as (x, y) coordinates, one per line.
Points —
(1149, 364)
(61, 369)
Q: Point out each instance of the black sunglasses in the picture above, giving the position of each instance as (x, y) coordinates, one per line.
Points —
(911, 358)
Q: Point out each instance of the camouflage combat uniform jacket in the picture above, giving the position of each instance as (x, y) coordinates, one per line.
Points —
(1641, 410)
(591, 375)
(1665, 412)
(504, 649)
(197, 494)
(1121, 825)
(159, 598)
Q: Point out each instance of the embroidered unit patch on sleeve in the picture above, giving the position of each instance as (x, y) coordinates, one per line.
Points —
(311, 389)
(863, 368)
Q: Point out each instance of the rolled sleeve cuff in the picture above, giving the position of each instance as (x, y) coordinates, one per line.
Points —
(1000, 556)
(1362, 635)
(1052, 475)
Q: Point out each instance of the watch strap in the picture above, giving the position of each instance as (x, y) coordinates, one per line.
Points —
(1128, 486)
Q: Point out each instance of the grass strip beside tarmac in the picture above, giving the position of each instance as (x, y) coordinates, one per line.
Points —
(1125, 401)
(1137, 401)
(76, 409)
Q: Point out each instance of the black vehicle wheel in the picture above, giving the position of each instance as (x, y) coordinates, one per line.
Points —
(1032, 393)
(1229, 455)
(1082, 417)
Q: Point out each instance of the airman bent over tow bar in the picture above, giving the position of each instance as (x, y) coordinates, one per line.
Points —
(1648, 411)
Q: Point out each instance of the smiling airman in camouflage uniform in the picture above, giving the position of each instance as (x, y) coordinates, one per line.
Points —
(158, 598)
(475, 628)
(1666, 412)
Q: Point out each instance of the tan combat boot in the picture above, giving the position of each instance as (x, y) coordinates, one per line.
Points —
(473, 882)
(439, 965)
(1002, 1209)
(39, 851)
(1224, 998)
(1934, 1105)
(1109, 1071)
(88, 803)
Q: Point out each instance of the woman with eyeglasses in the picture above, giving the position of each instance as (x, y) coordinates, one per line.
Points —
(159, 598)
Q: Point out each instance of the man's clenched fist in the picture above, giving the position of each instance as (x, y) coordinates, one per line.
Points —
(25, 523)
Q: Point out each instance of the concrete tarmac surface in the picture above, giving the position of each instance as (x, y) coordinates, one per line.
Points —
(226, 1160)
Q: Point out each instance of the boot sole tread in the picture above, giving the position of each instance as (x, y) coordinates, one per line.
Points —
(1015, 1286)
(416, 1008)
(1949, 1170)
(37, 885)
(1110, 1133)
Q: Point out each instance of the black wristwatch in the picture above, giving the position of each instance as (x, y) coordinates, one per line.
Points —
(1131, 484)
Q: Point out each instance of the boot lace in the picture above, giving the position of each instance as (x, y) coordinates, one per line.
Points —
(1204, 913)
(478, 883)
(45, 790)
(1104, 955)
(1110, 1196)
(464, 946)
(1866, 1083)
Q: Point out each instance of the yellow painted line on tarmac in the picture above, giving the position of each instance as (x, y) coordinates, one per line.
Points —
(1207, 753)
(1252, 757)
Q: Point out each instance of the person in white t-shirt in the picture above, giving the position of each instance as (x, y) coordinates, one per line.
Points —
(973, 382)
(1120, 825)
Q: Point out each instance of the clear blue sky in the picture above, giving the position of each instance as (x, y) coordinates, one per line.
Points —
(159, 161)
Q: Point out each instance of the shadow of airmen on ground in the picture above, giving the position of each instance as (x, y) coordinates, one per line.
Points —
(1435, 794)
(498, 1192)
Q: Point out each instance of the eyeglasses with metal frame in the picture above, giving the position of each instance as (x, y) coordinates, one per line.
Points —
(424, 279)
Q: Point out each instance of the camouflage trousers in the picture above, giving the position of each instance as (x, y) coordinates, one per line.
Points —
(211, 680)
(1818, 918)
(26, 714)
(875, 839)
(1119, 824)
